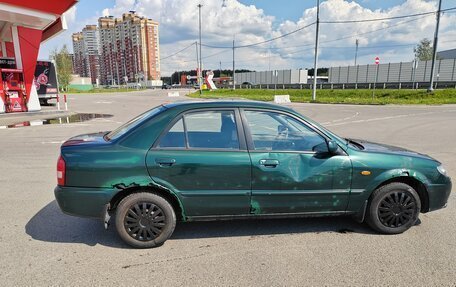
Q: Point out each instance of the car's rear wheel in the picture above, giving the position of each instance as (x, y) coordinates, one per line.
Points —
(145, 220)
(393, 208)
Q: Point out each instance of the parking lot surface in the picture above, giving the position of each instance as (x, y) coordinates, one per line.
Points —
(40, 246)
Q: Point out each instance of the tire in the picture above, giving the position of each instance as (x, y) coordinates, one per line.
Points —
(145, 220)
(393, 208)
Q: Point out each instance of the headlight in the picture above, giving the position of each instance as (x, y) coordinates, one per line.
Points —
(442, 170)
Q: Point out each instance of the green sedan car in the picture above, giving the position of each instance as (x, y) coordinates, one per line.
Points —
(191, 161)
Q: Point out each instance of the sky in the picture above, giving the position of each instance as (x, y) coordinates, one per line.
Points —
(254, 21)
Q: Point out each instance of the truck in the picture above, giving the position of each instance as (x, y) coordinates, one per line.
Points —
(46, 81)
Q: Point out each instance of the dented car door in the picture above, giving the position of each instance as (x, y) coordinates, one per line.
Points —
(291, 172)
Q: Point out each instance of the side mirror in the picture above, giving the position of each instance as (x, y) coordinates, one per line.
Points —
(282, 130)
(332, 147)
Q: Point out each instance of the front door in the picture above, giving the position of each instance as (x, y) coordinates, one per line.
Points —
(292, 172)
(203, 157)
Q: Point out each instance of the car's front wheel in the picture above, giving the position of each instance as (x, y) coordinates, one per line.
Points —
(145, 220)
(393, 208)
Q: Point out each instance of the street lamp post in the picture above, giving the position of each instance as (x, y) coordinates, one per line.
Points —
(234, 70)
(200, 78)
(317, 23)
(356, 50)
(434, 51)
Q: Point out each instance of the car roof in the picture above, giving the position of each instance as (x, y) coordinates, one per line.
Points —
(187, 105)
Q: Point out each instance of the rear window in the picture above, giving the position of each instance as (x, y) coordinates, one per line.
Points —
(115, 134)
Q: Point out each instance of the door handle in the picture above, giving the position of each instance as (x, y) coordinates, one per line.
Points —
(271, 163)
(165, 161)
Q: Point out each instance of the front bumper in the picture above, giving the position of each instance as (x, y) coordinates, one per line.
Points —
(84, 202)
(438, 195)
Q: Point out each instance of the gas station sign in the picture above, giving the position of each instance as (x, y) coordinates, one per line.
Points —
(45, 78)
(7, 63)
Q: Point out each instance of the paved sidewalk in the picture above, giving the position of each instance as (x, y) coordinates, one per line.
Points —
(46, 113)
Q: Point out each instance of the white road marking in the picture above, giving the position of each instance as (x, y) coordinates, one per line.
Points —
(343, 119)
(388, 118)
(53, 142)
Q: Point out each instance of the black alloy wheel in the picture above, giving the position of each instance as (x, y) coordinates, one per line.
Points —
(396, 209)
(393, 208)
(144, 221)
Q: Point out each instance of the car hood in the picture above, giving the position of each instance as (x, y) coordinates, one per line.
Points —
(389, 149)
(86, 139)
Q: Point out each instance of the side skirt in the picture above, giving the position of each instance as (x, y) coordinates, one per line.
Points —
(267, 216)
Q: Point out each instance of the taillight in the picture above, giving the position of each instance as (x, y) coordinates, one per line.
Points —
(61, 171)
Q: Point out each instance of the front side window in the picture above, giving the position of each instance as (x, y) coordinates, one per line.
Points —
(206, 129)
(278, 132)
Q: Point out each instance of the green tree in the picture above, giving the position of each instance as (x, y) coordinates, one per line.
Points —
(423, 51)
(64, 66)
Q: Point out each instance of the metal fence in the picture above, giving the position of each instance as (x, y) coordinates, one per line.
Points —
(279, 77)
(324, 86)
(404, 72)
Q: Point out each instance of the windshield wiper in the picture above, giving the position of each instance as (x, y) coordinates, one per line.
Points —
(354, 143)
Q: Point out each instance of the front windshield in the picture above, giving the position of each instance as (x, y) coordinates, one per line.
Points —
(133, 123)
(325, 130)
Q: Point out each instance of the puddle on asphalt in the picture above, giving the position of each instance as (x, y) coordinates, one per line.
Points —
(75, 118)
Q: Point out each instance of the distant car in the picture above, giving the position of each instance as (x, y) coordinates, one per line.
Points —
(192, 161)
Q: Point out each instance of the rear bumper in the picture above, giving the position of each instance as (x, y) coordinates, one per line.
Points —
(84, 202)
(47, 97)
(438, 195)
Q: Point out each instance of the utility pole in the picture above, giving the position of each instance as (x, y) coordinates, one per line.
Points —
(197, 64)
(434, 51)
(200, 55)
(234, 71)
(415, 66)
(356, 51)
(314, 86)
(220, 69)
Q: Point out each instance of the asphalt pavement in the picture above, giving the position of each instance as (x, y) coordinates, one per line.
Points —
(40, 246)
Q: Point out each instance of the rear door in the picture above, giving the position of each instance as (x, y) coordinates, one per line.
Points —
(202, 155)
(291, 170)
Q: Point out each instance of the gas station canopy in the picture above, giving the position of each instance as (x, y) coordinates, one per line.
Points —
(24, 25)
(46, 16)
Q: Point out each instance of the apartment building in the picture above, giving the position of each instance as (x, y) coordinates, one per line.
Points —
(86, 53)
(129, 49)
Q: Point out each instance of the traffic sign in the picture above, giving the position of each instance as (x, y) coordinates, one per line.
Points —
(377, 60)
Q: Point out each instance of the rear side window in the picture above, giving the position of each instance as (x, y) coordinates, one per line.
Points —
(204, 130)
(175, 137)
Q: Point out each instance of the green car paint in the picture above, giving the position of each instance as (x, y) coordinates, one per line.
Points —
(301, 182)
(207, 182)
(211, 184)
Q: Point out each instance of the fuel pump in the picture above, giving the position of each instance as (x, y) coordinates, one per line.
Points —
(13, 90)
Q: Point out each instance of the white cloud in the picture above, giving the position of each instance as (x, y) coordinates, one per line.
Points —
(391, 40)
(248, 24)
(379, 34)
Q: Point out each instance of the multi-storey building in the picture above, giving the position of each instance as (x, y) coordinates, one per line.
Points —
(118, 50)
(86, 53)
(129, 49)
(78, 55)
